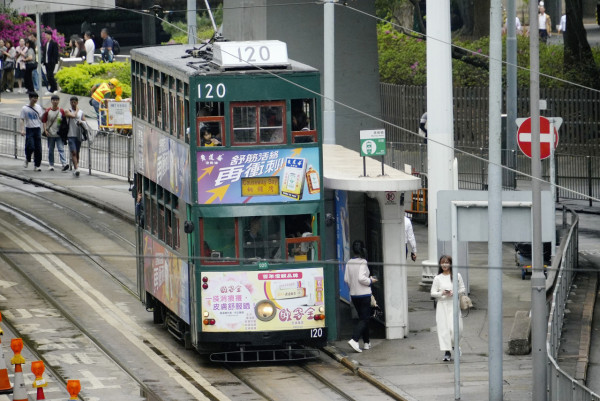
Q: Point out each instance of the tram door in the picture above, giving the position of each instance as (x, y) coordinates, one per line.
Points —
(373, 242)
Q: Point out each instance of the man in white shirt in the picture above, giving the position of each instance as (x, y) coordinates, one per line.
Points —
(90, 47)
(31, 121)
(563, 24)
(409, 238)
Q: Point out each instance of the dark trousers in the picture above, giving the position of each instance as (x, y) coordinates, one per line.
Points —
(33, 144)
(29, 80)
(52, 87)
(363, 307)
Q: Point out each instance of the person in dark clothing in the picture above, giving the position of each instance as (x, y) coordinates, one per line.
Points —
(50, 59)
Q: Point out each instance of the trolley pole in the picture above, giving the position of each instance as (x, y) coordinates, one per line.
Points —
(538, 281)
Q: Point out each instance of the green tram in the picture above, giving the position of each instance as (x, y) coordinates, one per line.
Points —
(228, 161)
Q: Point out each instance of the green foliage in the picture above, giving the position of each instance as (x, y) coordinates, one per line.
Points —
(178, 29)
(79, 79)
(403, 61)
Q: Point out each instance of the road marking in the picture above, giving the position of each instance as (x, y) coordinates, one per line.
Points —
(110, 313)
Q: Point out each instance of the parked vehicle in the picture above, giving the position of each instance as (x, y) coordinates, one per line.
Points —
(523, 257)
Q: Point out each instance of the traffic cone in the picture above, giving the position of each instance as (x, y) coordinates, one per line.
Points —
(73, 387)
(37, 368)
(5, 387)
(19, 392)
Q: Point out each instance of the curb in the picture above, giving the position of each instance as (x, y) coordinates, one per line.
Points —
(84, 198)
(355, 368)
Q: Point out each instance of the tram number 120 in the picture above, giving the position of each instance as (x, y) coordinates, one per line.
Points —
(316, 333)
(251, 54)
(210, 91)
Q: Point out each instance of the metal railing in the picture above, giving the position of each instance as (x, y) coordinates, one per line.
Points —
(578, 175)
(107, 152)
(561, 386)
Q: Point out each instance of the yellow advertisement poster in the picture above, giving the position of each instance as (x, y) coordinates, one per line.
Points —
(234, 300)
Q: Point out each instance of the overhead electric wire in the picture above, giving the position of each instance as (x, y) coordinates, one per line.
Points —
(585, 196)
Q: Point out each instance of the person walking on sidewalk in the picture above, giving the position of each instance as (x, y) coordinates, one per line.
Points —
(31, 115)
(50, 59)
(441, 289)
(52, 120)
(76, 117)
(357, 277)
(409, 238)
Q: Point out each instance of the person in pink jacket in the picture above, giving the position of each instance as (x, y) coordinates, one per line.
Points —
(358, 278)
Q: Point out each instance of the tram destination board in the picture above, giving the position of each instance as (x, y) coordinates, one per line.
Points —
(260, 186)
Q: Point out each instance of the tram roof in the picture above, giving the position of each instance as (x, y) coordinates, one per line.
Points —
(343, 170)
(175, 58)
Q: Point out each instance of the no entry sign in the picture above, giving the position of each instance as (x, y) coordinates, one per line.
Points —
(548, 136)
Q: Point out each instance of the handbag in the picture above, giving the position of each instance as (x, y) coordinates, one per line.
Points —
(465, 302)
(31, 66)
(9, 65)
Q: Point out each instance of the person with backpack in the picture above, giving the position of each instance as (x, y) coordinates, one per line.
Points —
(108, 46)
(54, 121)
(31, 129)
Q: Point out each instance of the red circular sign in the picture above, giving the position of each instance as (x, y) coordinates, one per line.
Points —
(524, 137)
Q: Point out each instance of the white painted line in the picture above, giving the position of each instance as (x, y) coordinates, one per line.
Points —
(114, 316)
(526, 137)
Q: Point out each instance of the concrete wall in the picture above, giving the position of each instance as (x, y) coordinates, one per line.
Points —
(301, 27)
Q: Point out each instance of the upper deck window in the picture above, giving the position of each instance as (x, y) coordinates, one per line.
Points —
(257, 123)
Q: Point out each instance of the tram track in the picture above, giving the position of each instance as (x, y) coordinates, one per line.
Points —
(304, 372)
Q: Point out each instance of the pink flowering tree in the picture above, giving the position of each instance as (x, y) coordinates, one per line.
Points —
(15, 26)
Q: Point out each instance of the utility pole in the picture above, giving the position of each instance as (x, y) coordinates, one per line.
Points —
(329, 71)
(495, 205)
(191, 22)
(538, 281)
(440, 120)
(511, 90)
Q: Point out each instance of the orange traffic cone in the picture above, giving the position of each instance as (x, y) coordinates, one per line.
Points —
(73, 387)
(5, 387)
(19, 392)
(37, 368)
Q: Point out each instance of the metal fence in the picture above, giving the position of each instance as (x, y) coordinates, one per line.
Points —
(577, 176)
(561, 386)
(579, 108)
(105, 152)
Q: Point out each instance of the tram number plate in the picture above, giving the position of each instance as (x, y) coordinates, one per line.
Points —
(316, 333)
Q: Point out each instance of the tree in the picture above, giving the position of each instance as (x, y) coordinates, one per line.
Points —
(578, 59)
(475, 16)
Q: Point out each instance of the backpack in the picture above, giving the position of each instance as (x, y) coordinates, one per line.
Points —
(63, 129)
(116, 49)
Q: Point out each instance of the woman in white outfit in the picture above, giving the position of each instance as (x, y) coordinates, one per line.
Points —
(441, 289)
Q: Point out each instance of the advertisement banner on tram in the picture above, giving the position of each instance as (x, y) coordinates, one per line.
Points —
(263, 300)
(167, 277)
(258, 176)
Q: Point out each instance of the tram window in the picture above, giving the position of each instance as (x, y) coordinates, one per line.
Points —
(158, 106)
(209, 131)
(261, 237)
(271, 124)
(161, 222)
(303, 125)
(244, 124)
(218, 240)
(258, 123)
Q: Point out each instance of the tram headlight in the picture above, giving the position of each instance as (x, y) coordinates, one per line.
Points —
(321, 309)
(265, 310)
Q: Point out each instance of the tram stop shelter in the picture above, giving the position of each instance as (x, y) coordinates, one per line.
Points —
(343, 171)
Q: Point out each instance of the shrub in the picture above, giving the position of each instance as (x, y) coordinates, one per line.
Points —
(79, 79)
(15, 26)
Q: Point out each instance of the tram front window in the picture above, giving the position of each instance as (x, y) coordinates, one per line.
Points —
(218, 239)
(261, 237)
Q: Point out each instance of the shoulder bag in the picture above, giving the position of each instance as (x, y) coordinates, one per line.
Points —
(465, 302)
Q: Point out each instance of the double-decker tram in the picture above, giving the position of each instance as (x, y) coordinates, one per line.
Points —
(228, 161)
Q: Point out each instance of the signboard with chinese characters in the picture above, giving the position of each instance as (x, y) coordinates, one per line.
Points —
(166, 278)
(223, 175)
(372, 142)
(231, 298)
(119, 114)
